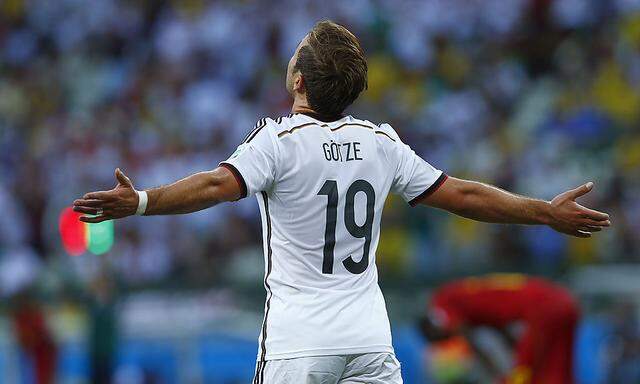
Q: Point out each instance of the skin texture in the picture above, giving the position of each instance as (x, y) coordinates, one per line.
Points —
(193, 193)
(490, 204)
(295, 84)
(465, 198)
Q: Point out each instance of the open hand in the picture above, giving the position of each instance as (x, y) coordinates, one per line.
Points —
(571, 218)
(121, 201)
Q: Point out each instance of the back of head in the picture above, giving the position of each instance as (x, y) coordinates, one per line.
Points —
(333, 67)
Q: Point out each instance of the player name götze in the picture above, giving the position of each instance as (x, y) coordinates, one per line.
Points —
(341, 151)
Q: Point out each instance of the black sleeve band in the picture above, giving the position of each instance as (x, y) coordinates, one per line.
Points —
(434, 187)
(238, 176)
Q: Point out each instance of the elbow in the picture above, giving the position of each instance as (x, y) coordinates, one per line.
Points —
(466, 197)
(224, 185)
(214, 190)
(468, 189)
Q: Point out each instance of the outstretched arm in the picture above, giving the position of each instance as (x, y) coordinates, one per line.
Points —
(484, 202)
(193, 193)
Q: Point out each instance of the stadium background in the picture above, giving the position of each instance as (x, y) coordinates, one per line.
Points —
(535, 96)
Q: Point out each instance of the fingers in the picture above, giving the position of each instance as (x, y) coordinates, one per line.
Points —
(123, 179)
(94, 203)
(91, 206)
(596, 223)
(87, 210)
(581, 190)
(94, 219)
(100, 195)
(593, 214)
(581, 234)
(88, 202)
(590, 229)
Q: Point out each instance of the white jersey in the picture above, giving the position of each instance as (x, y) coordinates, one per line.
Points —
(321, 187)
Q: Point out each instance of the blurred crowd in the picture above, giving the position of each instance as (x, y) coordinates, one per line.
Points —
(536, 96)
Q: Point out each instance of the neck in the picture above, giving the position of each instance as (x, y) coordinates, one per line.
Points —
(300, 105)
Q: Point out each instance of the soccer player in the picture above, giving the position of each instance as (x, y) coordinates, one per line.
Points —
(321, 179)
(549, 313)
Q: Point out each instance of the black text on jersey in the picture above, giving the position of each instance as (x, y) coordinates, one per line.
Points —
(349, 151)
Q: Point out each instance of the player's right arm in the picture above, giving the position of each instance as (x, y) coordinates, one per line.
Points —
(249, 170)
(193, 193)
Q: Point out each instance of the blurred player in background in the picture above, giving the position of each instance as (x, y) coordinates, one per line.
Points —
(34, 339)
(321, 179)
(548, 312)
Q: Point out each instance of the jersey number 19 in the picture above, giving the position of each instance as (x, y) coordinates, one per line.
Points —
(330, 189)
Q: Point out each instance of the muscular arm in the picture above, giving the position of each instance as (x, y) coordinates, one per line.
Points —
(487, 203)
(193, 193)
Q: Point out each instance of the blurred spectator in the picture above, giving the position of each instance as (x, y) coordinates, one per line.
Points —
(103, 333)
(625, 348)
(535, 96)
(36, 342)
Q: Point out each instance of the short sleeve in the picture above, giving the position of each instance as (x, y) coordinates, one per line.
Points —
(253, 164)
(414, 178)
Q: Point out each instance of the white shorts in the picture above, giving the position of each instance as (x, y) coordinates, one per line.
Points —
(370, 368)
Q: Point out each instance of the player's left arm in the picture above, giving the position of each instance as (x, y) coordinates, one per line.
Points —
(487, 203)
(193, 193)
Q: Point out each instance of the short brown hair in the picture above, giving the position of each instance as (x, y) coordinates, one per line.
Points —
(333, 67)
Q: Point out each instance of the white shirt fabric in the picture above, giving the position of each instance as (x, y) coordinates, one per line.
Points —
(321, 187)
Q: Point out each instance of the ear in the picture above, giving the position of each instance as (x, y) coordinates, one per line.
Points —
(298, 82)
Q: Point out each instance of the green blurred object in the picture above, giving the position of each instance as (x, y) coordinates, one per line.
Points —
(100, 237)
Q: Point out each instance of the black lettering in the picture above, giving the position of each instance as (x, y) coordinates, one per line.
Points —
(349, 158)
(327, 151)
(356, 150)
(335, 151)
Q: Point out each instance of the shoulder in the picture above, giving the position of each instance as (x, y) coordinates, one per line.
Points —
(383, 130)
(283, 125)
(278, 126)
(269, 127)
(387, 130)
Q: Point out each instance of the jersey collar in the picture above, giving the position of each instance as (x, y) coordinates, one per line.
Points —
(323, 118)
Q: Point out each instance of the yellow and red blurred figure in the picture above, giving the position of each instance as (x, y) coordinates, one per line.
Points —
(548, 312)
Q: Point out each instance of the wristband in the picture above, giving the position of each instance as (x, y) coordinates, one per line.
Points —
(143, 199)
